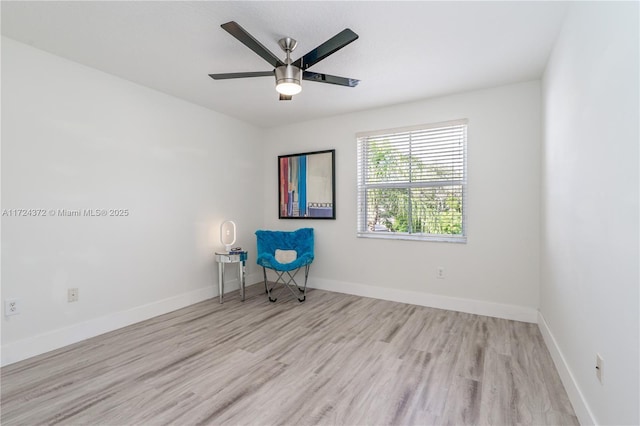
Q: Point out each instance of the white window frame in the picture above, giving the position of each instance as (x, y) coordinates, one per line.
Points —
(363, 230)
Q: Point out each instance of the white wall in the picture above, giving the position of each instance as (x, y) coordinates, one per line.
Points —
(497, 271)
(77, 138)
(589, 279)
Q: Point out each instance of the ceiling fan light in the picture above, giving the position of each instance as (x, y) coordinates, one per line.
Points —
(288, 89)
(288, 80)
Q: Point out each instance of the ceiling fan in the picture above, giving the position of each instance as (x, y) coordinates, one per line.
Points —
(288, 73)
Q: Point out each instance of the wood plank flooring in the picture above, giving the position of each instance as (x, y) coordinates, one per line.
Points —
(334, 360)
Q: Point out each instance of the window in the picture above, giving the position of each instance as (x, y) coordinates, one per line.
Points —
(412, 182)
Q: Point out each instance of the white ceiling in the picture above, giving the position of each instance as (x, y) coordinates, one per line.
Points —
(406, 50)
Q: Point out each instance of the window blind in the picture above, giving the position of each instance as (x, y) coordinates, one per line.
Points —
(412, 181)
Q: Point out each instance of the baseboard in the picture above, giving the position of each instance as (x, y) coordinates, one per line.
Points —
(55, 339)
(478, 307)
(580, 406)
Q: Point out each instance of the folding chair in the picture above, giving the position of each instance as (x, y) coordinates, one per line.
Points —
(286, 253)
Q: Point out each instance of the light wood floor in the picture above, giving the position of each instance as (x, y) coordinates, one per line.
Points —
(333, 360)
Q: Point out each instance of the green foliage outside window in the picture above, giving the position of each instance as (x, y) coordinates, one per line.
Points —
(417, 208)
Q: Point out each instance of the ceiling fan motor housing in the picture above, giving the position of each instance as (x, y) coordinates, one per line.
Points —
(288, 74)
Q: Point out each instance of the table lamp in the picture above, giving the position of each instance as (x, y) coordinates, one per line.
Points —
(228, 234)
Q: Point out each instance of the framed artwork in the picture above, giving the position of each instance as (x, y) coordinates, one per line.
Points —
(307, 185)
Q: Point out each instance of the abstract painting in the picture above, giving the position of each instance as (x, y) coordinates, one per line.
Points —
(307, 185)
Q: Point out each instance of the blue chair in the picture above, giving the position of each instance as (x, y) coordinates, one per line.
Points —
(286, 253)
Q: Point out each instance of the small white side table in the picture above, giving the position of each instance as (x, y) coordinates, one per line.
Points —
(223, 258)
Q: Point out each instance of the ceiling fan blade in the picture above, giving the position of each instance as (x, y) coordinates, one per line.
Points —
(227, 75)
(285, 97)
(331, 79)
(247, 39)
(330, 46)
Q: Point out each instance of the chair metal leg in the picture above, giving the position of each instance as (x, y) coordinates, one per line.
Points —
(288, 281)
(264, 271)
(279, 280)
(306, 276)
(267, 290)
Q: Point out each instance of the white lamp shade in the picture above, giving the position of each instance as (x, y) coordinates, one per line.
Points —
(228, 234)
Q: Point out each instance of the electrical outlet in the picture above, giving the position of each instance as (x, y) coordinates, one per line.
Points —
(599, 368)
(11, 307)
(72, 295)
(440, 273)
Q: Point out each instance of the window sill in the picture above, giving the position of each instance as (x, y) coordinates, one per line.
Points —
(413, 237)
